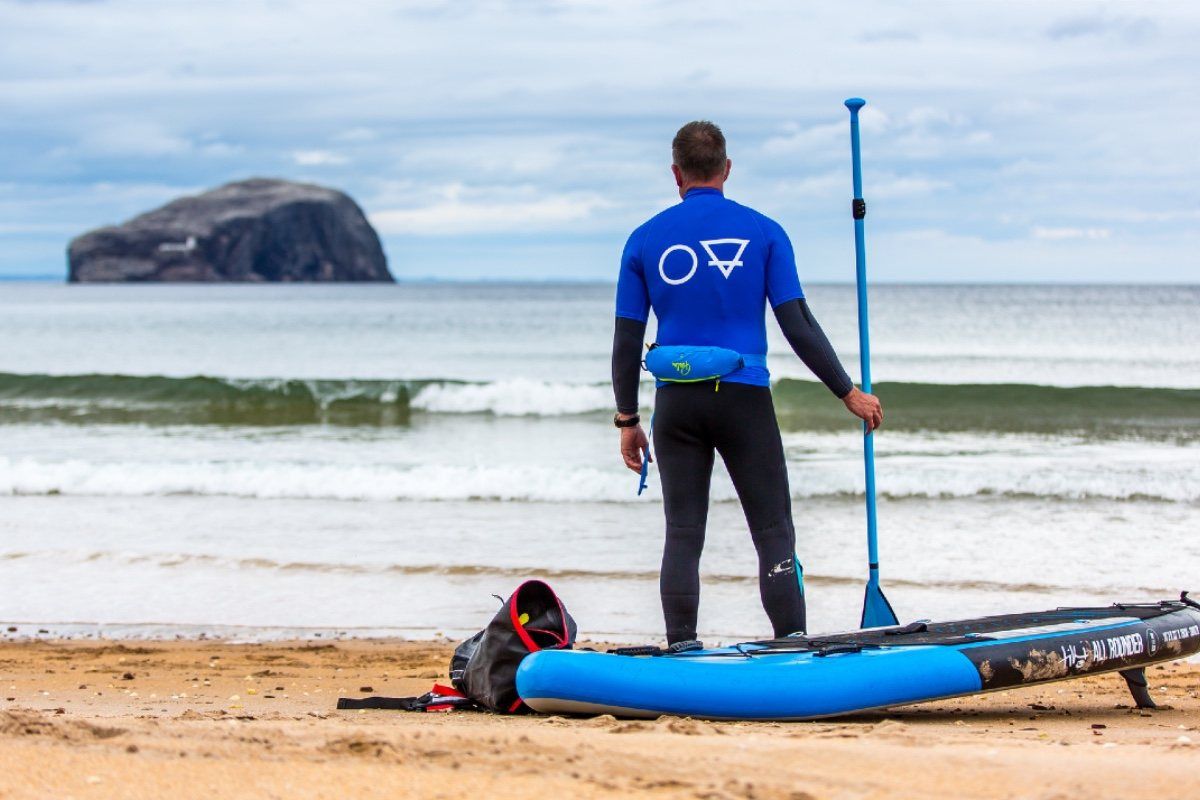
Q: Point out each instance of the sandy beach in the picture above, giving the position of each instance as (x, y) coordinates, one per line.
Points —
(211, 719)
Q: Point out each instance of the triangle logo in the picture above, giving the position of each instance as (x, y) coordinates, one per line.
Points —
(725, 265)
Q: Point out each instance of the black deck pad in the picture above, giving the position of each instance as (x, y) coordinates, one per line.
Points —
(963, 631)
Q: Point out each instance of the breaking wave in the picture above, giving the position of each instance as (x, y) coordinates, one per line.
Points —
(548, 484)
(1105, 411)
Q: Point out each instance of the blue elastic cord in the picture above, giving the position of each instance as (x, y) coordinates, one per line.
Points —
(645, 470)
(645, 462)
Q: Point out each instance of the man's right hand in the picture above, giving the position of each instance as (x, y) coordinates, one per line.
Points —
(633, 446)
(865, 406)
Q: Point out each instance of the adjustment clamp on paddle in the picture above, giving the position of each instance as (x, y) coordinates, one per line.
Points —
(858, 207)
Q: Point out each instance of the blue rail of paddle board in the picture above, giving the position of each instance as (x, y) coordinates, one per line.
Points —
(765, 684)
(778, 686)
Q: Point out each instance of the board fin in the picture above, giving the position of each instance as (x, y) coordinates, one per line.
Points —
(1139, 687)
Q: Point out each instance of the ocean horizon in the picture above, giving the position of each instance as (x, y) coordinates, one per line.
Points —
(56, 278)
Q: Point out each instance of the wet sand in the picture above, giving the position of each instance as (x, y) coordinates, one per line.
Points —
(95, 719)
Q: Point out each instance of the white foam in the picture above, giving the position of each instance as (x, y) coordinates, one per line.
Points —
(1036, 475)
(515, 397)
(511, 482)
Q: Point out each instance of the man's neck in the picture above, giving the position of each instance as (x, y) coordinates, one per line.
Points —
(687, 186)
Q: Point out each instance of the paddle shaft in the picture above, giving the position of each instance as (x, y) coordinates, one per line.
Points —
(864, 336)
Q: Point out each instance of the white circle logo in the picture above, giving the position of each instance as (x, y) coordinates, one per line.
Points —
(662, 262)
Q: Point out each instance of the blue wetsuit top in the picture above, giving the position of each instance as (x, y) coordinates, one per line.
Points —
(707, 267)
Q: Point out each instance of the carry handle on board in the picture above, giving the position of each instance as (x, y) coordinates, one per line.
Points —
(877, 611)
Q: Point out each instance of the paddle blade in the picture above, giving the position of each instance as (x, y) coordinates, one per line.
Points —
(877, 611)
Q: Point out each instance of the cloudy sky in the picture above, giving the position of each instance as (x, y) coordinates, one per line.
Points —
(1048, 141)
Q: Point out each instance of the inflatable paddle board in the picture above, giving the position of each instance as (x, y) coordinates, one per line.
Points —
(807, 677)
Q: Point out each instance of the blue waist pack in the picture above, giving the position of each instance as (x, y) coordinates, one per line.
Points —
(693, 364)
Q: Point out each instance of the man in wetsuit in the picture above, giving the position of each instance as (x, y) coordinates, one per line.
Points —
(707, 267)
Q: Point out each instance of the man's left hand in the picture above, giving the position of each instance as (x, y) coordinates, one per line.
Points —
(864, 406)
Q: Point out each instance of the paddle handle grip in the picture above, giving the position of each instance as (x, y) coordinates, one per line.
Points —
(858, 209)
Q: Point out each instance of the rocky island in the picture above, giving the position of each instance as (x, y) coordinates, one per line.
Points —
(257, 230)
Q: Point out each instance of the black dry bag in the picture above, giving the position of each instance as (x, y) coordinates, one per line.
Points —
(484, 667)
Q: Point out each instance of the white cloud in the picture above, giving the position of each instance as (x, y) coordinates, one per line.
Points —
(1138, 216)
(126, 137)
(824, 136)
(355, 135)
(460, 211)
(1058, 234)
(1129, 28)
(938, 255)
(36, 229)
(221, 149)
(824, 183)
(924, 117)
(917, 132)
(318, 158)
(800, 140)
(899, 186)
(133, 137)
(519, 155)
(885, 185)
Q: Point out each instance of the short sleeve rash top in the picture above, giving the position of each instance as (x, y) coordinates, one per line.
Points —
(708, 267)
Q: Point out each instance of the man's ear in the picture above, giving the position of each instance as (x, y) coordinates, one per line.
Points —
(678, 175)
(728, 166)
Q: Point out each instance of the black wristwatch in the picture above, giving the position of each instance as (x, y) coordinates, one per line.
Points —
(626, 423)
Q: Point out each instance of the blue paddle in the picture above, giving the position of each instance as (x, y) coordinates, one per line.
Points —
(877, 611)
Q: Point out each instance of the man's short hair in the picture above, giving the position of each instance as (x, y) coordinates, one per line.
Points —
(699, 150)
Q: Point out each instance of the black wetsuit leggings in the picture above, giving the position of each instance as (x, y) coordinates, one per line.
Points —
(691, 423)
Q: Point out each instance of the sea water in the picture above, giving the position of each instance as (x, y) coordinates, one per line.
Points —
(265, 461)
